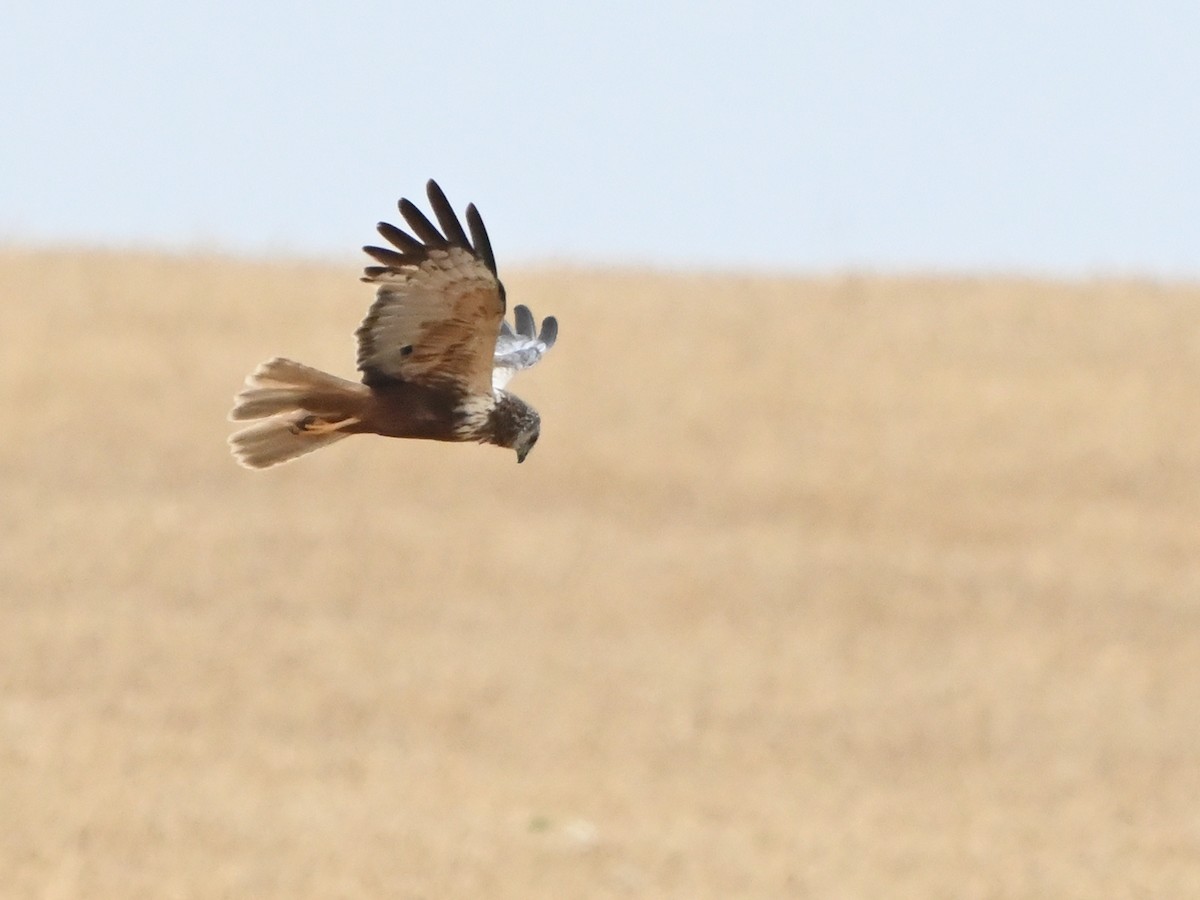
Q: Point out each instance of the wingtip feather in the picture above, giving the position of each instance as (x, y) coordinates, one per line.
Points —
(446, 216)
(524, 321)
(399, 238)
(549, 332)
(479, 237)
(420, 224)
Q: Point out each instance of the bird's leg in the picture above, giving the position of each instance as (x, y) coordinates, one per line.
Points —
(317, 425)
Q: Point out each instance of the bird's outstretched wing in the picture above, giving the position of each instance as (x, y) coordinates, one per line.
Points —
(523, 347)
(437, 313)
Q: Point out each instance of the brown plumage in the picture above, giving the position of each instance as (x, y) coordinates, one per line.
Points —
(434, 352)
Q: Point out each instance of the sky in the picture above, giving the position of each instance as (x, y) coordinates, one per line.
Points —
(1057, 138)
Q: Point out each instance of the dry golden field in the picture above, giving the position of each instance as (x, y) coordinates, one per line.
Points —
(844, 587)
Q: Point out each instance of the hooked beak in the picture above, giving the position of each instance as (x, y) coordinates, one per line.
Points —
(521, 454)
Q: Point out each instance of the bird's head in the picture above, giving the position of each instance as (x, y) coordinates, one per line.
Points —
(513, 423)
(526, 439)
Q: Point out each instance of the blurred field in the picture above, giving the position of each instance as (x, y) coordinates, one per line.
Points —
(847, 587)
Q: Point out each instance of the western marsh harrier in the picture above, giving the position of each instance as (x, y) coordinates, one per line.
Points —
(435, 353)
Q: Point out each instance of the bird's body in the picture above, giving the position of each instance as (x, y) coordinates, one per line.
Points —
(434, 350)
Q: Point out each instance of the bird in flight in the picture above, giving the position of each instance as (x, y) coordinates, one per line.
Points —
(435, 352)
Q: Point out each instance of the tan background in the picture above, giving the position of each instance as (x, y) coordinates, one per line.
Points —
(846, 587)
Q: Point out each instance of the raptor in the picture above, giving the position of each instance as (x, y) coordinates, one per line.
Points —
(435, 352)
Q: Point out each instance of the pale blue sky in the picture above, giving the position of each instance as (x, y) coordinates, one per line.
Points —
(1041, 137)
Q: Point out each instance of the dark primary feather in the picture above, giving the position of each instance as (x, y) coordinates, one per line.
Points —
(421, 226)
(400, 239)
(390, 258)
(479, 235)
(549, 332)
(451, 227)
(525, 323)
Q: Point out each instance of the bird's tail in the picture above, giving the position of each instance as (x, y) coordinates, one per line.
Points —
(301, 409)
